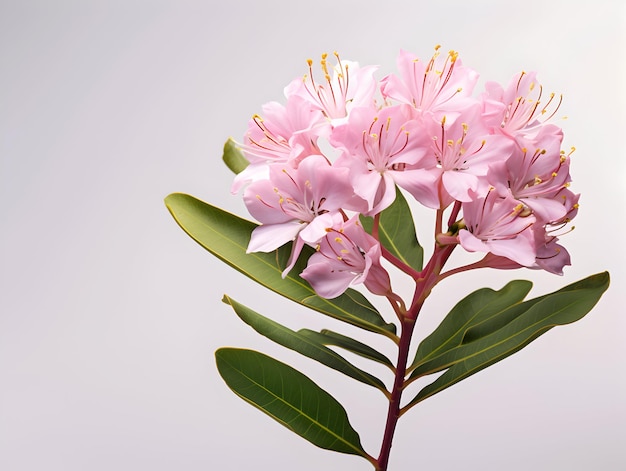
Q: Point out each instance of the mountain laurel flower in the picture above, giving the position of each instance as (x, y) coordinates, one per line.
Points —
(381, 149)
(520, 109)
(334, 149)
(346, 256)
(436, 86)
(461, 153)
(538, 178)
(296, 204)
(283, 135)
(350, 86)
(499, 225)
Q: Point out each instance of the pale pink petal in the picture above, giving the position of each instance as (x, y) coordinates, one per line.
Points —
(327, 282)
(271, 236)
(296, 249)
(423, 185)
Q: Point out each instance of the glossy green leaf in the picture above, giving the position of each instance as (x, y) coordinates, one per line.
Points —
(477, 308)
(531, 319)
(306, 345)
(396, 232)
(226, 236)
(328, 337)
(290, 398)
(233, 157)
(496, 322)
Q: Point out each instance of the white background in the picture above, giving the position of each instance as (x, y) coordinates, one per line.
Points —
(110, 314)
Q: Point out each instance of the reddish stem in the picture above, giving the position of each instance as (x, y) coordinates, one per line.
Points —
(425, 282)
(393, 412)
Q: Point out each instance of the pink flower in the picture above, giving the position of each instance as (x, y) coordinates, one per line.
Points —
(536, 177)
(380, 148)
(296, 204)
(499, 225)
(551, 256)
(346, 256)
(461, 154)
(349, 87)
(433, 86)
(519, 110)
(286, 134)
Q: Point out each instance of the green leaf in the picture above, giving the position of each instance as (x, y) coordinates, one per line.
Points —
(233, 157)
(306, 345)
(290, 398)
(226, 236)
(328, 337)
(496, 322)
(396, 232)
(477, 308)
(532, 319)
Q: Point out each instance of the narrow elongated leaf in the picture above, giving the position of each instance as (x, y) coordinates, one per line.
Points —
(290, 398)
(233, 157)
(306, 345)
(533, 318)
(396, 232)
(328, 337)
(475, 309)
(496, 322)
(226, 236)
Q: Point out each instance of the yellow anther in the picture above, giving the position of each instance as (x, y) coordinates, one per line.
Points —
(554, 174)
(339, 240)
(310, 62)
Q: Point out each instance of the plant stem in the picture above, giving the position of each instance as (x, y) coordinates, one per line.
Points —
(425, 282)
(393, 412)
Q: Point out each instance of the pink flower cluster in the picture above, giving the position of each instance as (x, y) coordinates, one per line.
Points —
(343, 142)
